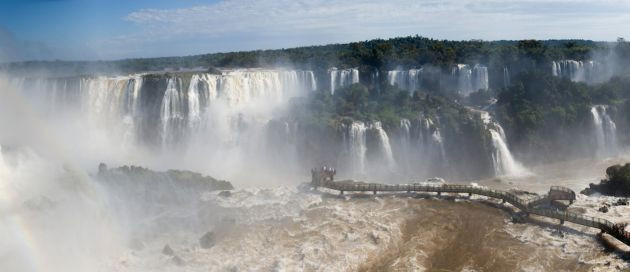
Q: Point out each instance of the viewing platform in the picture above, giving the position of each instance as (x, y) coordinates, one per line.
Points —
(539, 205)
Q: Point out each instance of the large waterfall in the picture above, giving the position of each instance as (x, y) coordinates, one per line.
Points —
(342, 77)
(470, 80)
(502, 159)
(605, 131)
(579, 71)
(410, 80)
(221, 117)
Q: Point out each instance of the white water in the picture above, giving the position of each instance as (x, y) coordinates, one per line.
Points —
(342, 77)
(506, 77)
(355, 139)
(386, 153)
(579, 71)
(605, 132)
(410, 80)
(221, 118)
(470, 80)
(502, 159)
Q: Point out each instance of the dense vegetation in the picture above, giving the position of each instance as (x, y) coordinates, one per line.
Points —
(373, 54)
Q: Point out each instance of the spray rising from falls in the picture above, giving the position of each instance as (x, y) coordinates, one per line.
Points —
(502, 159)
(221, 117)
(342, 77)
(605, 131)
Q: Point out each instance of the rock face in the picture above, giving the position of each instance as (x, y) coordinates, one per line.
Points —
(617, 182)
(188, 179)
(167, 250)
(207, 240)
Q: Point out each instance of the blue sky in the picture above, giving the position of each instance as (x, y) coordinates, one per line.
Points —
(114, 29)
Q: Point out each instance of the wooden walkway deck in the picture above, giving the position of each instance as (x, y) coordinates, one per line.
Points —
(536, 205)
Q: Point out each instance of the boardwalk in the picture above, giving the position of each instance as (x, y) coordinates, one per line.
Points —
(537, 205)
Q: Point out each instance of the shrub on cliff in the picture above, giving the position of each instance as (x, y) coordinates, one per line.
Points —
(617, 182)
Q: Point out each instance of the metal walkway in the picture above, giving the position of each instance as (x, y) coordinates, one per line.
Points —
(324, 177)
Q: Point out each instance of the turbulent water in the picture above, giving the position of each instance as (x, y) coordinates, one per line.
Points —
(56, 216)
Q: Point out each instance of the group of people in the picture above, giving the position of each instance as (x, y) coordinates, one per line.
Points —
(621, 228)
(323, 175)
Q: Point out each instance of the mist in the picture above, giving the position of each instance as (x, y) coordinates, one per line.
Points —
(87, 157)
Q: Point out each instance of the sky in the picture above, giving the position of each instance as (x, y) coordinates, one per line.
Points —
(117, 29)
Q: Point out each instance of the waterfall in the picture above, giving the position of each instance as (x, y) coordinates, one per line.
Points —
(356, 146)
(480, 78)
(385, 149)
(605, 131)
(503, 162)
(470, 80)
(506, 77)
(194, 105)
(579, 71)
(463, 77)
(410, 80)
(342, 78)
(172, 111)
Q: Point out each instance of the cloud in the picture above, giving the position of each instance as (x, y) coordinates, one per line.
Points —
(294, 17)
(232, 25)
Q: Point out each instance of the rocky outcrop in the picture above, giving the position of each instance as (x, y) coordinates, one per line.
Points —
(183, 178)
(617, 182)
(148, 190)
(207, 240)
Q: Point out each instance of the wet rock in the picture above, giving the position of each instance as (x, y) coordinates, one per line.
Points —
(178, 261)
(374, 237)
(603, 209)
(39, 204)
(617, 182)
(136, 244)
(167, 250)
(622, 202)
(208, 240)
(225, 194)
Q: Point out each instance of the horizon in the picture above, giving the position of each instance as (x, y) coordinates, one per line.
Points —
(288, 48)
(86, 30)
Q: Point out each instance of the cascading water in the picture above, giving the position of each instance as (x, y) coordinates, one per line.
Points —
(579, 71)
(385, 149)
(605, 131)
(355, 142)
(410, 80)
(367, 147)
(506, 77)
(470, 80)
(503, 162)
(221, 115)
(172, 112)
(342, 77)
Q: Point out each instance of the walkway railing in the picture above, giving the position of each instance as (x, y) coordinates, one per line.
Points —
(324, 177)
